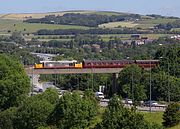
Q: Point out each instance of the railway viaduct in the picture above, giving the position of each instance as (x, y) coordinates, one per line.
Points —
(113, 71)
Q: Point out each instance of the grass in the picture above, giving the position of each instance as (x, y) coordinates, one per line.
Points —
(154, 117)
(23, 16)
(176, 29)
(147, 23)
(14, 25)
(156, 21)
(108, 13)
(157, 117)
(116, 24)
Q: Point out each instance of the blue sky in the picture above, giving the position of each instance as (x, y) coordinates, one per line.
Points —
(163, 7)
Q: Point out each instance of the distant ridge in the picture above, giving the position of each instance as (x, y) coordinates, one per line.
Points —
(23, 16)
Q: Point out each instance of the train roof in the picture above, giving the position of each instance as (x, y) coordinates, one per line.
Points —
(101, 61)
(60, 61)
(147, 60)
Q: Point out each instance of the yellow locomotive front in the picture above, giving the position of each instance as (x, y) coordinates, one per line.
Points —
(38, 66)
(78, 65)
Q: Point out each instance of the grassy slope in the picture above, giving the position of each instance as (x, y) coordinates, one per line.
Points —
(8, 20)
(146, 23)
(6, 24)
(116, 24)
(23, 16)
(107, 13)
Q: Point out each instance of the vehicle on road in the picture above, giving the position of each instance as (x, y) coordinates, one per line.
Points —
(150, 103)
(99, 95)
(128, 101)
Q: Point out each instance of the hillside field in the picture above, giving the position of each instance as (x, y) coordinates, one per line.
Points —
(117, 24)
(15, 25)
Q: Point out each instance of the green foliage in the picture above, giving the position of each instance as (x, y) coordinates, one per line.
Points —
(169, 56)
(171, 116)
(130, 83)
(117, 116)
(165, 86)
(33, 113)
(7, 117)
(17, 37)
(14, 83)
(22, 55)
(72, 111)
(51, 95)
(91, 20)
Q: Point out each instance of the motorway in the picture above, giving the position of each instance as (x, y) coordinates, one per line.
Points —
(158, 108)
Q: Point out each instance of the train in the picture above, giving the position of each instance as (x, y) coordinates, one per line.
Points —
(74, 64)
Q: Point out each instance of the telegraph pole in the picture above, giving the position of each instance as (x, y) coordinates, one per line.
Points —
(150, 87)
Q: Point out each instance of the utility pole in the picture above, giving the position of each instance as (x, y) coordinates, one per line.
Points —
(168, 84)
(150, 88)
(132, 83)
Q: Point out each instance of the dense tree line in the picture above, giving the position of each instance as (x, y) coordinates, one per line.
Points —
(91, 20)
(89, 31)
(169, 25)
(18, 52)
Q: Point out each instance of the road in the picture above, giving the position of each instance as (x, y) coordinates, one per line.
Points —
(158, 108)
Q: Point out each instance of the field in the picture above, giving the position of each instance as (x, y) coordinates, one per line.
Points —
(117, 24)
(107, 13)
(147, 23)
(156, 21)
(144, 24)
(13, 25)
(23, 16)
(176, 29)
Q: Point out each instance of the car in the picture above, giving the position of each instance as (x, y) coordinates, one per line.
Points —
(99, 95)
(128, 101)
(150, 103)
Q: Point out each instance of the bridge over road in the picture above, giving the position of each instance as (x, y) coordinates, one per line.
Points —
(113, 71)
(31, 70)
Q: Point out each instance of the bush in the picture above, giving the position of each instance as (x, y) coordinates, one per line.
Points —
(171, 116)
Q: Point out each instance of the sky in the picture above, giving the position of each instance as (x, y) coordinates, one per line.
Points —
(163, 7)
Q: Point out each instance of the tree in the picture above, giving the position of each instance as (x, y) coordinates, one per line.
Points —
(14, 82)
(17, 37)
(169, 56)
(33, 113)
(171, 116)
(117, 116)
(130, 83)
(51, 95)
(72, 111)
(7, 117)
